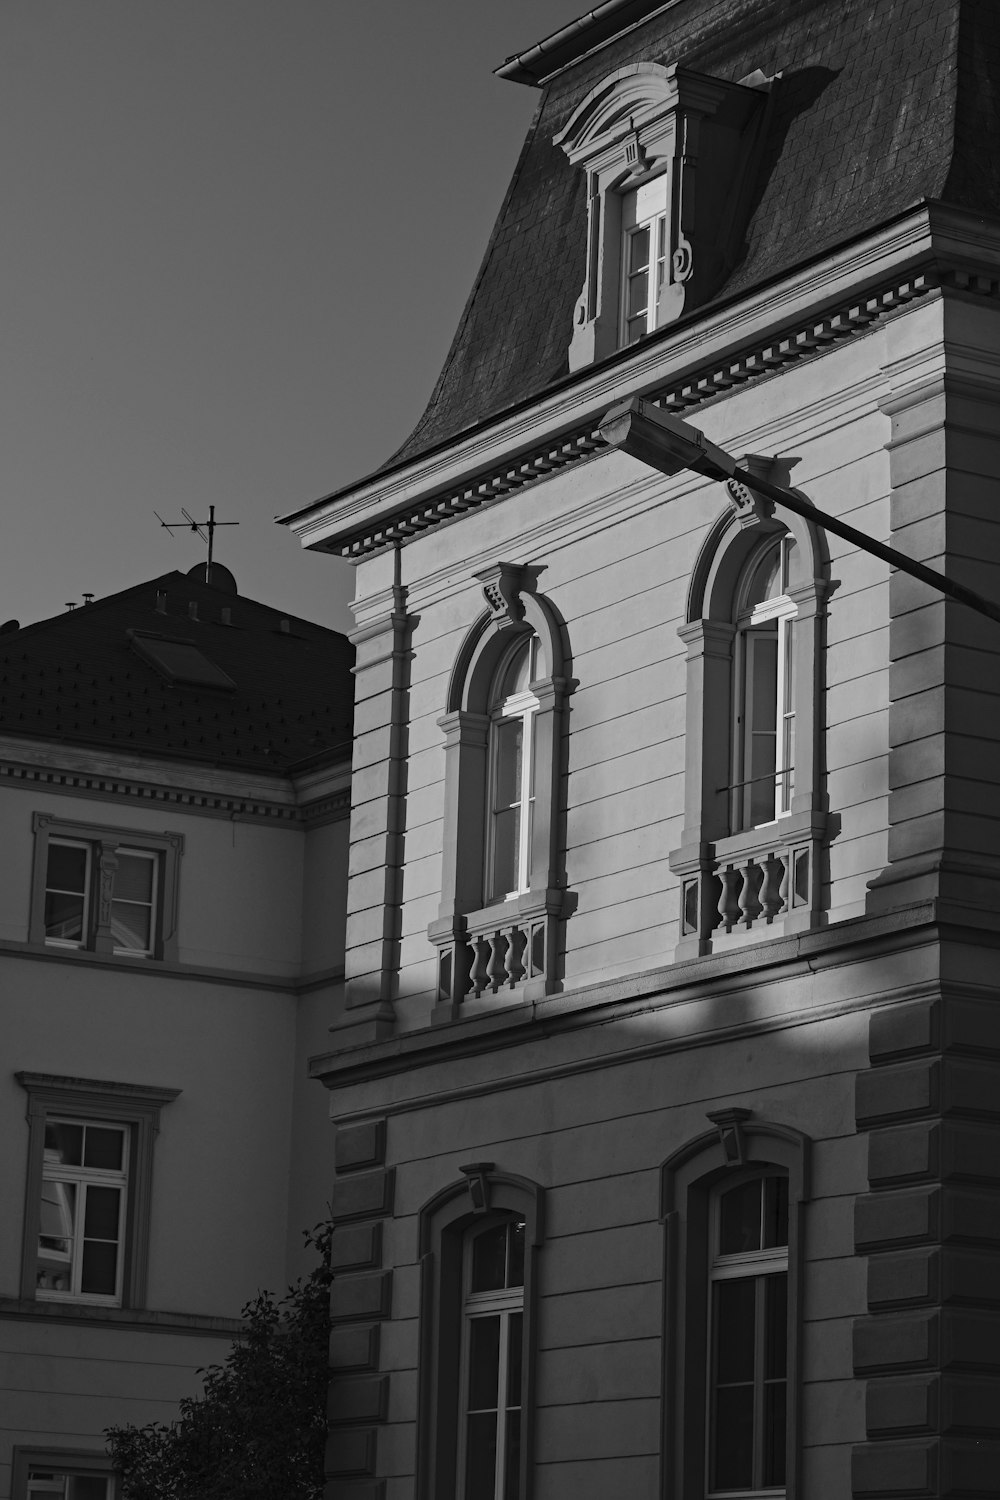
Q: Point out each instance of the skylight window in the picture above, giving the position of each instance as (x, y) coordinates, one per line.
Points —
(181, 662)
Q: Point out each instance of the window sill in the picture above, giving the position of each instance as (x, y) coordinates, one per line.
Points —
(98, 1315)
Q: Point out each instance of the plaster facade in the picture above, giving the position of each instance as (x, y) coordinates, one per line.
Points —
(857, 1027)
(215, 1027)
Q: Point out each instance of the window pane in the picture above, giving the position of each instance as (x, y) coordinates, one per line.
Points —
(514, 1340)
(131, 926)
(739, 1218)
(775, 1327)
(44, 1482)
(518, 673)
(484, 1363)
(55, 1236)
(489, 1256)
(104, 1148)
(761, 714)
(88, 1487)
(638, 250)
(734, 1331)
(481, 1456)
(766, 582)
(515, 1271)
(64, 917)
(134, 877)
(638, 294)
(635, 328)
(100, 1219)
(63, 1143)
(775, 1211)
(100, 1268)
(507, 762)
(506, 830)
(67, 868)
(512, 1457)
(732, 1439)
(774, 1434)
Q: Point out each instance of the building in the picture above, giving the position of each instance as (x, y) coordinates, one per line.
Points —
(666, 1083)
(174, 791)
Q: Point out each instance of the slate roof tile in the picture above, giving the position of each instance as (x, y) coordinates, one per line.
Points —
(77, 678)
(881, 105)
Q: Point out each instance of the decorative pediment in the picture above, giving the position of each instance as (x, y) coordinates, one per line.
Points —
(627, 101)
(685, 142)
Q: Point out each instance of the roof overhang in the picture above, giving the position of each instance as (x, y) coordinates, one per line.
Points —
(837, 296)
(594, 29)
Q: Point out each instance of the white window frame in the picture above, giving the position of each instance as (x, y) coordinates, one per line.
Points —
(64, 1464)
(634, 220)
(503, 1304)
(57, 942)
(83, 1178)
(104, 846)
(755, 1266)
(152, 906)
(136, 1109)
(521, 707)
(782, 611)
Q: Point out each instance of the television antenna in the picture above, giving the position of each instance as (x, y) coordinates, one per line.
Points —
(205, 529)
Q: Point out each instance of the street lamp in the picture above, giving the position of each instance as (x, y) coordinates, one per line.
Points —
(664, 442)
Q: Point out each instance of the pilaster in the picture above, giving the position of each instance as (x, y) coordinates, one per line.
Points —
(360, 1298)
(944, 716)
(929, 1347)
(378, 819)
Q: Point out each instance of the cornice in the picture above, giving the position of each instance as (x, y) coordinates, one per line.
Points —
(748, 339)
(158, 968)
(314, 797)
(127, 1318)
(754, 337)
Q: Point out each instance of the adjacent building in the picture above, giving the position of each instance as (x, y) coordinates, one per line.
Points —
(174, 795)
(665, 1088)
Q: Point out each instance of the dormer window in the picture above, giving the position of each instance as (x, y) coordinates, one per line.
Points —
(669, 161)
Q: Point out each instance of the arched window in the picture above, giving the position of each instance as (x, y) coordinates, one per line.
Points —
(732, 1208)
(755, 823)
(479, 1242)
(502, 883)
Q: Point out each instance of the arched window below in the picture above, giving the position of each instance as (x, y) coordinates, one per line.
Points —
(492, 1349)
(748, 1333)
(732, 1209)
(479, 1244)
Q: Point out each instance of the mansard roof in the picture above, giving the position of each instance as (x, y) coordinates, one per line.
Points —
(879, 107)
(177, 668)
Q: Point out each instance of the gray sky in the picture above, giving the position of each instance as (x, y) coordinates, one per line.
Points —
(237, 236)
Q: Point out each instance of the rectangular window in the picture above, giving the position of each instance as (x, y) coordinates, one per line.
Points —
(644, 257)
(90, 1155)
(94, 890)
(492, 1344)
(82, 1213)
(67, 1485)
(748, 1337)
(62, 1474)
